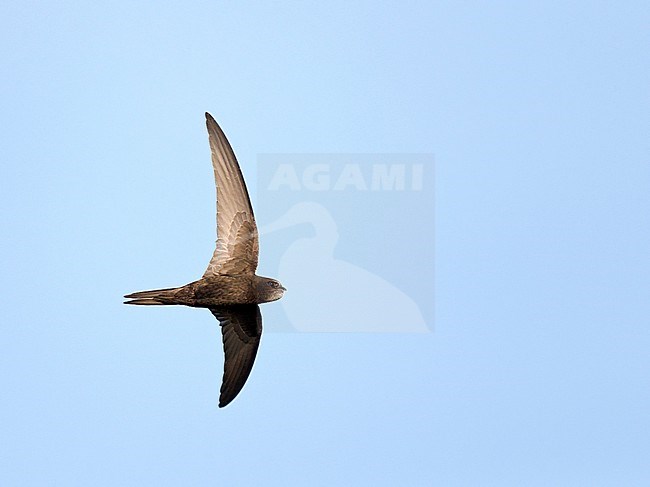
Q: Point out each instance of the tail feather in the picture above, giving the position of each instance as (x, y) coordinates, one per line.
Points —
(154, 297)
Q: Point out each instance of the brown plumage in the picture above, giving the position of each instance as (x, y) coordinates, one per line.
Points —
(229, 288)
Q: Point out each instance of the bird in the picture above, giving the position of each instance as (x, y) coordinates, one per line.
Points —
(229, 287)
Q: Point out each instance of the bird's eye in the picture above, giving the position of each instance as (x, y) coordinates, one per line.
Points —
(273, 284)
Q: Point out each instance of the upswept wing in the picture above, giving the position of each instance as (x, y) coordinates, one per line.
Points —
(237, 247)
(241, 329)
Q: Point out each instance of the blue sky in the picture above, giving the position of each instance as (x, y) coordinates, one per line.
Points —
(536, 372)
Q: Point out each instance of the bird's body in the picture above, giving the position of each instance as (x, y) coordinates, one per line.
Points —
(220, 290)
(229, 288)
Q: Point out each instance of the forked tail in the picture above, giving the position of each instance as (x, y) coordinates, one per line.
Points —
(154, 297)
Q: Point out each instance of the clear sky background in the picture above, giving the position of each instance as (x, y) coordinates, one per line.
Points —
(536, 372)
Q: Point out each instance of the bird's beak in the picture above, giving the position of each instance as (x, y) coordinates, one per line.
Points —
(283, 288)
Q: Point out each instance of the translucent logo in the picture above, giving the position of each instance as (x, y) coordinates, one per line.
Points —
(352, 236)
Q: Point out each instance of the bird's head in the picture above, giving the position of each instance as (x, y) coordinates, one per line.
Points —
(268, 289)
